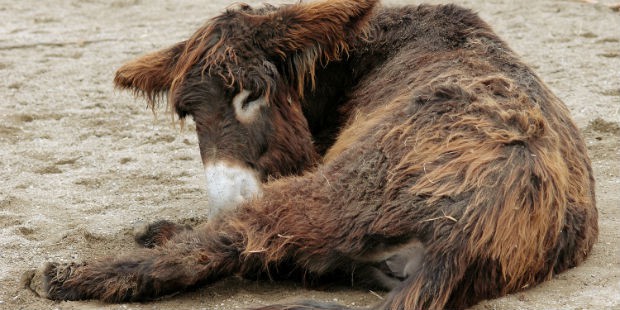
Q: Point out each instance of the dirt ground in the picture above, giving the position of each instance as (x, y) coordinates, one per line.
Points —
(82, 164)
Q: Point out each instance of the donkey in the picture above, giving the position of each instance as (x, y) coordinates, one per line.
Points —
(406, 148)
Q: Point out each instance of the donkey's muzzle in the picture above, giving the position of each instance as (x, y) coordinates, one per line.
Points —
(229, 185)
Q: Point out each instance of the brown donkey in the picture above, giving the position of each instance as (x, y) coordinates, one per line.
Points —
(405, 148)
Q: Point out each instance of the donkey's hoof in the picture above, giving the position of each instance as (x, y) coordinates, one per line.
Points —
(48, 281)
(37, 280)
(157, 233)
(31, 280)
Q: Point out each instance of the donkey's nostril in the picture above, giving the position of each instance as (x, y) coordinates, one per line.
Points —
(229, 185)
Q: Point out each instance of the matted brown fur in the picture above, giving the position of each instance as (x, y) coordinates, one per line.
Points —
(384, 125)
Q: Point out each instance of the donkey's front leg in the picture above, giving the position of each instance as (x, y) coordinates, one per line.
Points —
(316, 221)
(144, 274)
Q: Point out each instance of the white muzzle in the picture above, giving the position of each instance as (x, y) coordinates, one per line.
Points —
(229, 185)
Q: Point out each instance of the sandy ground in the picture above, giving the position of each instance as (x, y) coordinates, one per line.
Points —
(82, 164)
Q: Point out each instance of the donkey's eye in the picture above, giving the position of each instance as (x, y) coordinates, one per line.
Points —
(253, 97)
(247, 105)
(245, 98)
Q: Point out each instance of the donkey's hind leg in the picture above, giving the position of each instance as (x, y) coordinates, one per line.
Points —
(390, 267)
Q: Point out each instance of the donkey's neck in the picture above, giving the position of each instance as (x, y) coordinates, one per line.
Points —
(321, 105)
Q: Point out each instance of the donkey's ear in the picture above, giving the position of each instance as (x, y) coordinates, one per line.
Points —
(306, 33)
(150, 75)
(327, 27)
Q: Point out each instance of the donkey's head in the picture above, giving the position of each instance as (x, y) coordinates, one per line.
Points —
(241, 77)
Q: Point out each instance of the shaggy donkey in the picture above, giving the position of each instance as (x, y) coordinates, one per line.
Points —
(406, 148)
